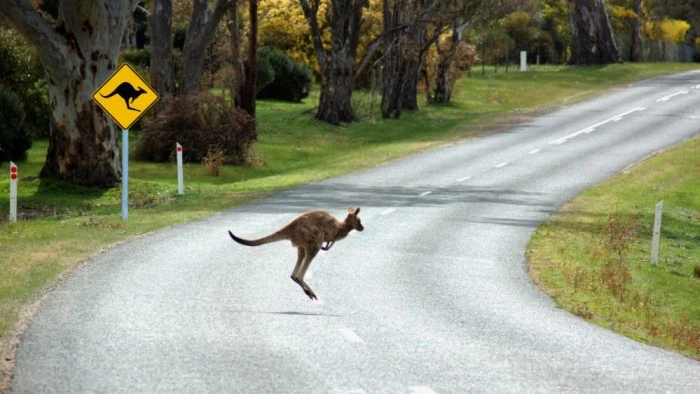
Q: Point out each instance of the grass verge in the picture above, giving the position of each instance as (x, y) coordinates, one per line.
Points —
(61, 224)
(593, 257)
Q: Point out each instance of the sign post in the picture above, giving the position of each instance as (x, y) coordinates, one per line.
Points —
(180, 175)
(13, 192)
(125, 174)
(125, 97)
(657, 234)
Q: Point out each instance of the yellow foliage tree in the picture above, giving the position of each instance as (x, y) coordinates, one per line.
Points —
(667, 30)
(283, 26)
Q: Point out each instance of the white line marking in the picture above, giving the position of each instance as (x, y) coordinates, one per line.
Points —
(589, 129)
(532, 152)
(666, 98)
(464, 179)
(422, 390)
(425, 194)
(387, 211)
(505, 163)
(350, 335)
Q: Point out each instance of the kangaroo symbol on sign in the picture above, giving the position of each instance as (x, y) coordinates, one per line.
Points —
(126, 91)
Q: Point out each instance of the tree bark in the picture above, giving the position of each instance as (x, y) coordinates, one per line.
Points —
(162, 68)
(199, 33)
(236, 60)
(338, 71)
(249, 88)
(636, 45)
(78, 54)
(403, 55)
(592, 37)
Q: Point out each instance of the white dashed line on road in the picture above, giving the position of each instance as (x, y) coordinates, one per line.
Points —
(464, 179)
(532, 152)
(425, 194)
(590, 129)
(500, 165)
(387, 211)
(350, 335)
(666, 98)
(421, 390)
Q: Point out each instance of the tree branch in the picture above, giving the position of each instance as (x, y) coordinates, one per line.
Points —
(33, 26)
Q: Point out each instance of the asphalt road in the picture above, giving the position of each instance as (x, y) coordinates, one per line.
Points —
(433, 296)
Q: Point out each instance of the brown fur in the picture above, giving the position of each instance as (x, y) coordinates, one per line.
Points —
(308, 232)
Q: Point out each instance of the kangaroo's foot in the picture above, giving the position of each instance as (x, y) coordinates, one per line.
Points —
(306, 288)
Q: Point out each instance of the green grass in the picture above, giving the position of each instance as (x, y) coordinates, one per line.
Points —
(62, 224)
(573, 257)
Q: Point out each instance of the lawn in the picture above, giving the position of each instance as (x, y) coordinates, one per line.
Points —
(593, 257)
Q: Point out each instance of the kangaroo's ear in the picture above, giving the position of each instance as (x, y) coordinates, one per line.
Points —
(356, 211)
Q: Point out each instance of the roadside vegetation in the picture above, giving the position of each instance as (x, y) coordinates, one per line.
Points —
(593, 257)
(62, 224)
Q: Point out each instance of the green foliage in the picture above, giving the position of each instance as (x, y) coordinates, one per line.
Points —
(139, 58)
(21, 71)
(292, 79)
(14, 137)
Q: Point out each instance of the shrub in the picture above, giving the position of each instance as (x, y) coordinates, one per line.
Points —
(292, 79)
(21, 72)
(139, 58)
(200, 123)
(14, 137)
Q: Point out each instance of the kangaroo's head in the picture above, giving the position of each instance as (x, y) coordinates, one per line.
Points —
(353, 220)
(140, 91)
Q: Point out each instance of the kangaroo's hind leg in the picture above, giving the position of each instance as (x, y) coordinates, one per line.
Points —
(311, 252)
(296, 274)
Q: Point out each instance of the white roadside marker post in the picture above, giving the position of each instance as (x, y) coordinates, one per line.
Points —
(523, 60)
(657, 234)
(13, 192)
(180, 176)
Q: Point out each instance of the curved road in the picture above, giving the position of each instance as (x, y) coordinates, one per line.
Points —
(433, 297)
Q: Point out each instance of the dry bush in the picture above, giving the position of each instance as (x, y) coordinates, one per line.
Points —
(616, 275)
(198, 122)
(213, 161)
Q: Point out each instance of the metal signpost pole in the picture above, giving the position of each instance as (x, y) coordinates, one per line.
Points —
(125, 174)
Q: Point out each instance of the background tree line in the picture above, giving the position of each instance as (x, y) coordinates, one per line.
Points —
(55, 53)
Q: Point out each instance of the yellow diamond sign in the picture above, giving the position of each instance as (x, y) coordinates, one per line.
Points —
(125, 96)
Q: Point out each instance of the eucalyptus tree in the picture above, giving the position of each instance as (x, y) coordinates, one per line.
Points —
(592, 36)
(78, 50)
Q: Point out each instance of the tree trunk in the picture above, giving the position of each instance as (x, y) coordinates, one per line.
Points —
(162, 69)
(337, 72)
(237, 62)
(199, 33)
(78, 54)
(403, 56)
(443, 87)
(636, 45)
(249, 88)
(592, 37)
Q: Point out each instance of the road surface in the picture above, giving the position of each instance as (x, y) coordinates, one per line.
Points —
(433, 297)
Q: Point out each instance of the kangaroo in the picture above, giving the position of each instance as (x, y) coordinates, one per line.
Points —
(128, 93)
(308, 232)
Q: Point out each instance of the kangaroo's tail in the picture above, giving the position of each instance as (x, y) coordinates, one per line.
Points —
(274, 237)
(109, 95)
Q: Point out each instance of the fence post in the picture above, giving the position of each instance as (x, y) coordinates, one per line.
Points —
(13, 192)
(657, 234)
(180, 175)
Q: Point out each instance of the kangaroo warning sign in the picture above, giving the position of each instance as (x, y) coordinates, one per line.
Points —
(125, 96)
